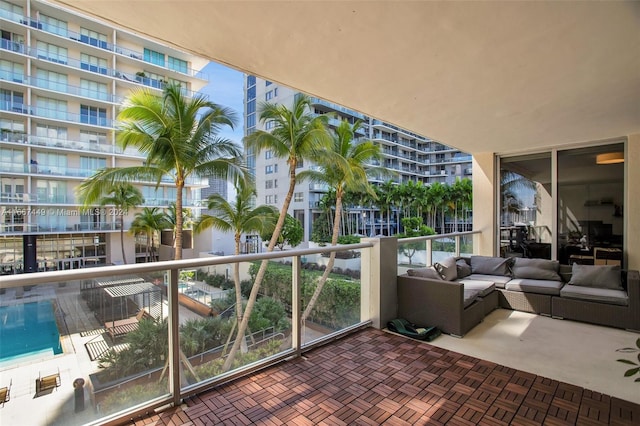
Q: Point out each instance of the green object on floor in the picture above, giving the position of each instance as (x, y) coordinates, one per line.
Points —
(404, 327)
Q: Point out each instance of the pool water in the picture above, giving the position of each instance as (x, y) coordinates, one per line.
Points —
(27, 329)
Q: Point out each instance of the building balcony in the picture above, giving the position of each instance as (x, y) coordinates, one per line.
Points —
(337, 380)
(75, 145)
(66, 61)
(58, 115)
(69, 89)
(99, 44)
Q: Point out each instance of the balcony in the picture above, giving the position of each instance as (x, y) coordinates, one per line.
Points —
(55, 114)
(91, 41)
(73, 90)
(336, 381)
(90, 67)
(76, 145)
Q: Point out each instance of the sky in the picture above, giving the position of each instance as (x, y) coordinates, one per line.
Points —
(226, 88)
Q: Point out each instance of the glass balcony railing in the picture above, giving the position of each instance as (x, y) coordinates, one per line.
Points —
(51, 219)
(73, 90)
(78, 64)
(133, 348)
(92, 41)
(337, 107)
(10, 106)
(12, 46)
(25, 198)
(12, 76)
(9, 136)
(424, 251)
(57, 114)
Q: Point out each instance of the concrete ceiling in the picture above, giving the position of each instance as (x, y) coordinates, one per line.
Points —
(481, 76)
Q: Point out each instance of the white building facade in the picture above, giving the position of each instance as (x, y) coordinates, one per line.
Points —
(410, 156)
(63, 78)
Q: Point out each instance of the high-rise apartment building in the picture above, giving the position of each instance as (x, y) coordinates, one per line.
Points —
(411, 156)
(62, 79)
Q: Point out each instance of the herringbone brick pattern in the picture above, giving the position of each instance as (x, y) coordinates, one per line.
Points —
(373, 377)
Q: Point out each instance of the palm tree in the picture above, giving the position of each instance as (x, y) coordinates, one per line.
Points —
(386, 195)
(171, 221)
(178, 135)
(436, 196)
(149, 221)
(240, 217)
(297, 135)
(123, 196)
(342, 168)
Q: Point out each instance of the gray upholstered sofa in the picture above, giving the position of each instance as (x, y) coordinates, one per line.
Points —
(456, 294)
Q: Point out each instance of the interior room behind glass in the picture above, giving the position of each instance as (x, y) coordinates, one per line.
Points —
(589, 213)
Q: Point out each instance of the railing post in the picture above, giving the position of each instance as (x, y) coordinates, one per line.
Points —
(457, 249)
(296, 311)
(378, 281)
(174, 342)
(429, 249)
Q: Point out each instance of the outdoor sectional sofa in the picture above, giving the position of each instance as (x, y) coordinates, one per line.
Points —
(456, 294)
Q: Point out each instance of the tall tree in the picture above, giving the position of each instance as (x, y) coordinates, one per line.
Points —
(179, 137)
(343, 168)
(149, 222)
(123, 196)
(386, 197)
(296, 135)
(171, 221)
(239, 217)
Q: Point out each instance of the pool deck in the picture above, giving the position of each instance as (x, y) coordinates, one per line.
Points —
(56, 406)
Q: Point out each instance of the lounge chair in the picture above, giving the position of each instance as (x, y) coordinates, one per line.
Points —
(121, 327)
(5, 393)
(43, 383)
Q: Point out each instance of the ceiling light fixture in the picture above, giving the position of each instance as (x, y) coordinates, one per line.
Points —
(610, 158)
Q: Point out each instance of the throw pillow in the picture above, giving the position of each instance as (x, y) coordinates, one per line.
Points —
(600, 276)
(463, 268)
(429, 272)
(447, 268)
(488, 265)
(536, 269)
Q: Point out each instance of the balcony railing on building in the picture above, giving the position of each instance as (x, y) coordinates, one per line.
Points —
(92, 41)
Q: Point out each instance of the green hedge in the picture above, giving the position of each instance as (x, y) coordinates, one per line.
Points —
(338, 305)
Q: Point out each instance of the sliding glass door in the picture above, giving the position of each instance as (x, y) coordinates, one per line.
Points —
(565, 205)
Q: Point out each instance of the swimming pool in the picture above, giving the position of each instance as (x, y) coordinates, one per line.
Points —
(27, 329)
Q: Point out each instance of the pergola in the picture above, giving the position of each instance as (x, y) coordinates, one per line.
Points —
(114, 300)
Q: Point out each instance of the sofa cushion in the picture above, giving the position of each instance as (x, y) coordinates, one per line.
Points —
(470, 296)
(447, 268)
(489, 265)
(527, 285)
(604, 295)
(428, 272)
(463, 268)
(498, 280)
(600, 276)
(485, 287)
(536, 269)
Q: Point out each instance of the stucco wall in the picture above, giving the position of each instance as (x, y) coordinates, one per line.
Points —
(484, 216)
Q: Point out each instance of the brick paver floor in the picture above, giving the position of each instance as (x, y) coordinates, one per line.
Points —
(373, 377)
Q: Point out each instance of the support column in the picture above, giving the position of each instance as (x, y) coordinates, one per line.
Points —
(378, 281)
(484, 203)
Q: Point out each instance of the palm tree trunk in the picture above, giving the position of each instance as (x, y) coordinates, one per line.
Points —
(332, 257)
(148, 247)
(262, 270)
(121, 220)
(178, 236)
(236, 281)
